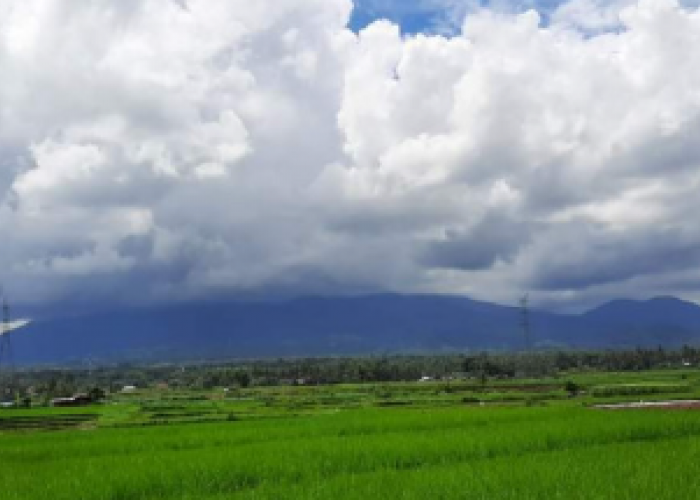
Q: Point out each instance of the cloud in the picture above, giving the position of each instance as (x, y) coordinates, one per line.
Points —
(161, 150)
(594, 254)
(494, 238)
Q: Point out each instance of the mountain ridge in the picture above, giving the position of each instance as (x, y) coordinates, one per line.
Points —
(356, 325)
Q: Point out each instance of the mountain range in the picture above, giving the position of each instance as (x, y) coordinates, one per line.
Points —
(370, 324)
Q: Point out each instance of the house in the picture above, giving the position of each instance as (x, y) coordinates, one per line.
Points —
(77, 400)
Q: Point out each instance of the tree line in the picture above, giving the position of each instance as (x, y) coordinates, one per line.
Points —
(48, 383)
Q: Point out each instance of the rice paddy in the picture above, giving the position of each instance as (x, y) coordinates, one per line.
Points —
(437, 441)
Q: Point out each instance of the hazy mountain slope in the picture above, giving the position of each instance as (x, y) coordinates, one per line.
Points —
(346, 325)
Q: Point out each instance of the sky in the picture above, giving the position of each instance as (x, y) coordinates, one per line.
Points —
(176, 150)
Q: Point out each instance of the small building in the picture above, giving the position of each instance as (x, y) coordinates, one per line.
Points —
(77, 400)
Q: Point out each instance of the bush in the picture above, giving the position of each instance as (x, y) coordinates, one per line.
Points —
(572, 388)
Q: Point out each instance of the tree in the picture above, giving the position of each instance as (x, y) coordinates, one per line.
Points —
(243, 378)
(96, 394)
(572, 388)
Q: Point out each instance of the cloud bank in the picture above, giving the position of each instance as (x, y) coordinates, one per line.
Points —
(166, 150)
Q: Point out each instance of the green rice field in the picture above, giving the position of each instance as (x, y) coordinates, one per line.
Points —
(351, 442)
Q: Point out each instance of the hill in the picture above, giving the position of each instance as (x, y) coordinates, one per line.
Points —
(372, 324)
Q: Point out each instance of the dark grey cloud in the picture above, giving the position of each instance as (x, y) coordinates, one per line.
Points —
(584, 255)
(139, 247)
(494, 239)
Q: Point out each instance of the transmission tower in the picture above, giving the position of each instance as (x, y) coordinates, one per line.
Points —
(6, 357)
(525, 321)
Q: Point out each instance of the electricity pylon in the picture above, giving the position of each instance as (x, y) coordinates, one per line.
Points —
(525, 321)
(7, 362)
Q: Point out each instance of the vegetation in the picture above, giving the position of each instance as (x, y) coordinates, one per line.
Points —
(484, 367)
(473, 434)
(494, 453)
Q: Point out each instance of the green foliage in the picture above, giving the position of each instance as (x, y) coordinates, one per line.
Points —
(96, 394)
(243, 378)
(485, 368)
(638, 389)
(572, 388)
(485, 426)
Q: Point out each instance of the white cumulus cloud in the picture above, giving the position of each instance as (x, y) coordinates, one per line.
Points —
(162, 149)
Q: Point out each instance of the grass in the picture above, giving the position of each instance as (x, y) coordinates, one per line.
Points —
(403, 441)
(551, 452)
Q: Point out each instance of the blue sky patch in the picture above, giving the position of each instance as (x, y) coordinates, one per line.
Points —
(413, 17)
(435, 16)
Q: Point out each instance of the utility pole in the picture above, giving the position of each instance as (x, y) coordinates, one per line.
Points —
(525, 321)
